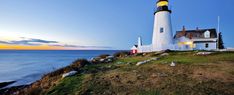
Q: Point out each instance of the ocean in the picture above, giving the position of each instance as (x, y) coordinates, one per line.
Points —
(27, 66)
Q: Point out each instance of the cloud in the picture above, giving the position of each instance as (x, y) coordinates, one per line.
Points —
(64, 45)
(83, 47)
(37, 42)
(28, 41)
(4, 42)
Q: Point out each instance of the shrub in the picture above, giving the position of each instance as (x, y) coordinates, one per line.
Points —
(139, 54)
(122, 54)
(103, 55)
(79, 63)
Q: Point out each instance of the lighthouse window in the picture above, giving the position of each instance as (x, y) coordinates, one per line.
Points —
(161, 30)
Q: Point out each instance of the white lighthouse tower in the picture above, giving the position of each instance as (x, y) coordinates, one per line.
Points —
(162, 34)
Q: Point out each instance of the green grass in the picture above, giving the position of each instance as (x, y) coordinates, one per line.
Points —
(151, 92)
(68, 86)
(73, 85)
(190, 57)
(115, 78)
(132, 59)
(187, 57)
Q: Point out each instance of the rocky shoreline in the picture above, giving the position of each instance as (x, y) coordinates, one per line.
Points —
(4, 84)
(11, 90)
(51, 78)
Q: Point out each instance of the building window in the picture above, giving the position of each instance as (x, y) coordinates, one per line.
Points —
(161, 30)
(187, 46)
(207, 45)
(207, 34)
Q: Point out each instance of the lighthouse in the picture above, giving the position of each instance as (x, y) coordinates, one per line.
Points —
(162, 32)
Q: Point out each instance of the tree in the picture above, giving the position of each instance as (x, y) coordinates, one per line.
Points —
(220, 41)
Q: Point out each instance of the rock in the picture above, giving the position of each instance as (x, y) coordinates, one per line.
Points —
(135, 71)
(204, 53)
(146, 61)
(110, 57)
(109, 60)
(102, 60)
(103, 56)
(164, 54)
(92, 59)
(154, 75)
(140, 63)
(120, 62)
(110, 66)
(162, 75)
(154, 59)
(139, 76)
(69, 74)
(173, 64)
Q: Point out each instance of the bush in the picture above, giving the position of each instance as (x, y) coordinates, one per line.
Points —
(79, 63)
(103, 56)
(139, 54)
(59, 72)
(122, 54)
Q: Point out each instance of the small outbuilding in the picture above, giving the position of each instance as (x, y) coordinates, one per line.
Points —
(134, 49)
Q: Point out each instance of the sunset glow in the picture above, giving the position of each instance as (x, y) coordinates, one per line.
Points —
(22, 47)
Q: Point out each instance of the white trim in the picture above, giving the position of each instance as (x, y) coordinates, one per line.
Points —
(211, 39)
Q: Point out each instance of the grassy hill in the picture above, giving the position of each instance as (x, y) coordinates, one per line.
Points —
(193, 74)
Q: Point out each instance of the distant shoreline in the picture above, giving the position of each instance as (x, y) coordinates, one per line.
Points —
(59, 50)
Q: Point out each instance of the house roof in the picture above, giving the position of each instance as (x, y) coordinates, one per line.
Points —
(134, 47)
(196, 34)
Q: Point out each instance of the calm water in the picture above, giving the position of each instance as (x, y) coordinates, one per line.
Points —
(26, 67)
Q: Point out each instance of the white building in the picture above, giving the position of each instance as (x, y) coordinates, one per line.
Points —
(199, 39)
(162, 39)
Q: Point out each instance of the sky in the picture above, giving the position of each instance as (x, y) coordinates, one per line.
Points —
(102, 24)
